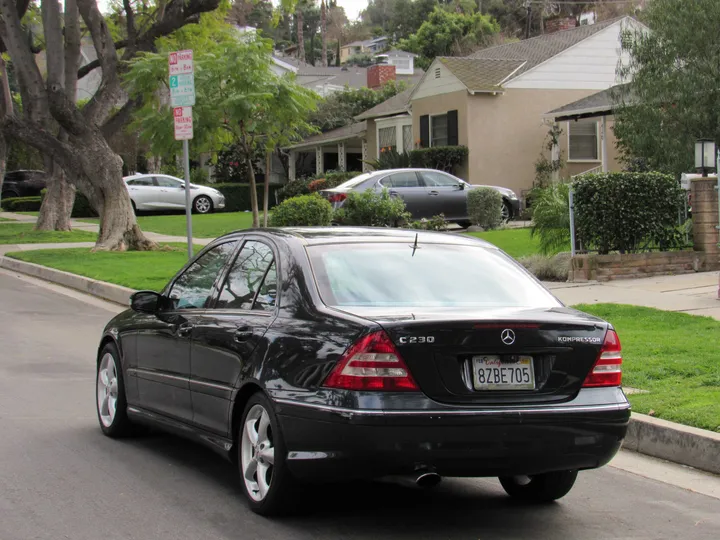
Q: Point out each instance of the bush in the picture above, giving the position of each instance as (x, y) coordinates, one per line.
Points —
(443, 158)
(199, 175)
(22, 204)
(372, 209)
(628, 212)
(390, 159)
(552, 268)
(551, 217)
(237, 196)
(485, 207)
(302, 211)
(328, 180)
(436, 223)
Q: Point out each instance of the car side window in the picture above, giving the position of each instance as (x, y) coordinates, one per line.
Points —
(401, 180)
(438, 179)
(193, 289)
(146, 181)
(163, 181)
(253, 273)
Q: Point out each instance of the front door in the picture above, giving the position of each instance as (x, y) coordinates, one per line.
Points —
(172, 192)
(228, 335)
(446, 197)
(163, 342)
(407, 186)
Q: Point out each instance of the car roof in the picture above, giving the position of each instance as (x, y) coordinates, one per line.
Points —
(333, 235)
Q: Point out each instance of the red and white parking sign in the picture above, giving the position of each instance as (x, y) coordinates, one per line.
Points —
(183, 123)
(180, 62)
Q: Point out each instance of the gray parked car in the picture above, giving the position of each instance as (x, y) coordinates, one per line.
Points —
(426, 192)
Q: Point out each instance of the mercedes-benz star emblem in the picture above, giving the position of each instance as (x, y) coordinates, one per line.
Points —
(507, 336)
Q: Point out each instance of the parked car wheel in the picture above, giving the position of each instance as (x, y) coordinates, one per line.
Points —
(540, 487)
(202, 205)
(506, 212)
(110, 388)
(266, 480)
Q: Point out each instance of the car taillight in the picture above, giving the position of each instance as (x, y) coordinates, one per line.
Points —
(372, 363)
(607, 370)
(337, 197)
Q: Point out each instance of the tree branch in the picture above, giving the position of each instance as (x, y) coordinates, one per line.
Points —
(38, 137)
(72, 47)
(116, 122)
(131, 30)
(50, 10)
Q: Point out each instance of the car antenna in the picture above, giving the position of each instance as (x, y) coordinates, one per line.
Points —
(415, 246)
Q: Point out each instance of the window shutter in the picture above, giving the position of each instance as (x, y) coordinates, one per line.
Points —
(425, 131)
(452, 127)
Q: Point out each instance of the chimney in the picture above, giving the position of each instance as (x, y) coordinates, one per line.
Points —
(379, 74)
(559, 23)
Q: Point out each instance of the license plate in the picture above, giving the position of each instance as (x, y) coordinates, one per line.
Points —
(489, 373)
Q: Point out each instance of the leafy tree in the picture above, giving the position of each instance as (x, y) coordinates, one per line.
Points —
(447, 33)
(674, 97)
(240, 101)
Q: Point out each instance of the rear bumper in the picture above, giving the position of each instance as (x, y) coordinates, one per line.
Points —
(326, 443)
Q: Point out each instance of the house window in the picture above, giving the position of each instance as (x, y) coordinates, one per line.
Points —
(583, 141)
(439, 130)
(407, 138)
(387, 139)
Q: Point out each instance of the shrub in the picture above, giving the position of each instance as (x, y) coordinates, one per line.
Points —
(551, 217)
(435, 223)
(628, 212)
(444, 158)
(372, 209)
(302, 211)
(548, 268)
(390, 159)
(22, 204)
(485, 207)
(328, 180)
(199, 175)
(237, 196)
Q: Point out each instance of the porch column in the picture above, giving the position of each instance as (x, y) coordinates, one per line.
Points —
(603, 144)
(365, 166)
(291, 164)
(319, 160)
(342, 157)
(554, 158)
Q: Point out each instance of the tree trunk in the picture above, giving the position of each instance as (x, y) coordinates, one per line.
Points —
(301, 39)
(323, 30)
(6, 105)
(57, 204)
(266, 192)
(253, 191)
(3, 161)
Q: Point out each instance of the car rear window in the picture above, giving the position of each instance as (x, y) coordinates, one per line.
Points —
(433, 275)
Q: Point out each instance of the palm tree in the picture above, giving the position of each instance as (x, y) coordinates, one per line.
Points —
(323, 30)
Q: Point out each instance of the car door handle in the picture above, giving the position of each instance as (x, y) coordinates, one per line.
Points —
(433, 193)
(243, 333)
(185, 330)
(392, 192)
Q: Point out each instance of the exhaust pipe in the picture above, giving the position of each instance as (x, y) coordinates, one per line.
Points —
(428, 479)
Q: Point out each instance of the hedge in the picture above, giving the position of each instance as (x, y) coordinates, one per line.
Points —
(302, 211)
(484, 205)
(444, 158)
(237, 196)
(305, 186)
(22, 204)
(628, 212)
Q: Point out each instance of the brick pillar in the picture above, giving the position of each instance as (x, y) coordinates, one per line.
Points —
(705, 215)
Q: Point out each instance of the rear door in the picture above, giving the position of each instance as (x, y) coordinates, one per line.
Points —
(142, 191)
(407, 186)
(226, 337)
(445, 195)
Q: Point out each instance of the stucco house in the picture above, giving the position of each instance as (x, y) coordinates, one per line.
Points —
(368, 46)
(495, 102)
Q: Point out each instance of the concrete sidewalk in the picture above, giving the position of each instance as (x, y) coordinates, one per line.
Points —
(696, 294)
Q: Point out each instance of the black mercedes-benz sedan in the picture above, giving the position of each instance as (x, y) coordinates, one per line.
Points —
(325, 354)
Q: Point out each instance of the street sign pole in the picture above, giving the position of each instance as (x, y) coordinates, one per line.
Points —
(182, 98)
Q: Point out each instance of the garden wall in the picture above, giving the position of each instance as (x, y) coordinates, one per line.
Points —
(638, 265)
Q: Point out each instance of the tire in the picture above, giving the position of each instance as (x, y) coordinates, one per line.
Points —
(465, 224)
(506, 212)
(280, 485)
(202, 205)
(110, 394)
(541, 488)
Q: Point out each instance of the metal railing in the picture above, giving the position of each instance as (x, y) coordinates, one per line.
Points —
(594, 170)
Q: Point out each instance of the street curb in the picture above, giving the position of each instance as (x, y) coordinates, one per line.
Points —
(101, 289)
(654, 437)
(681, 444)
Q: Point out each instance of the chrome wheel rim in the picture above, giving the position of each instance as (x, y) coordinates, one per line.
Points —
(202, 205)
(107, 390)
(257, 453)
(505, 213)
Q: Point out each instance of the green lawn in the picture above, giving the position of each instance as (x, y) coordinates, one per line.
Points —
(23, 233)
(515, 242)
(135, 269)
(672, 355)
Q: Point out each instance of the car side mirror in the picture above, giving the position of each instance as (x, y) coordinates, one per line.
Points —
(461, 186)
(146, 302)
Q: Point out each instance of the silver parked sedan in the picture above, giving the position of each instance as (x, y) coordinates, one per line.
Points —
(426, 192)
(164, 192)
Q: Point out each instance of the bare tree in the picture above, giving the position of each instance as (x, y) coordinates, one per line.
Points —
(80, 147)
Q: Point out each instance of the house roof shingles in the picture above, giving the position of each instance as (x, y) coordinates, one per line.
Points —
(601, 102)
(356, 130)
(481, 74)
(397, 104)
(542, 48)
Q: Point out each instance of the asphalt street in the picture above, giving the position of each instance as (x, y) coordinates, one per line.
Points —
(61, 478)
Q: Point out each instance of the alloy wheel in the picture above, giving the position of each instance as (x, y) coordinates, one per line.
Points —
(107, 390)
(203, 205)
(505, 213)
(257, 453)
